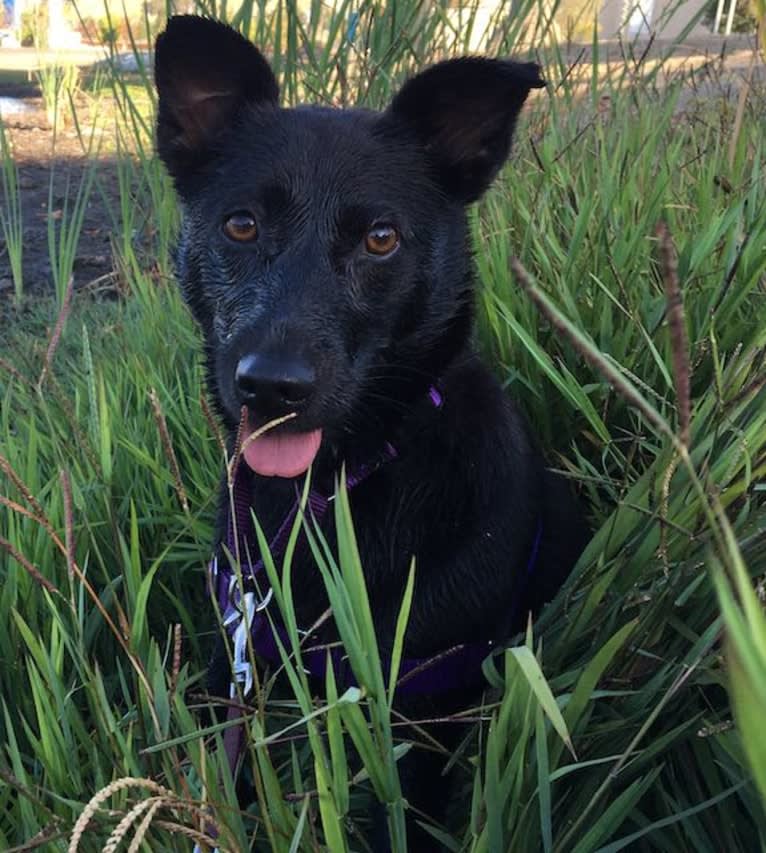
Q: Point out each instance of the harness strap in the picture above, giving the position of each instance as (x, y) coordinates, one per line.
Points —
(452, 668)
(240, 522)
(242, 615)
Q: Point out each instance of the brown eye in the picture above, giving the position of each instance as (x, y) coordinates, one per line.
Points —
(241, 227)
(381, 240)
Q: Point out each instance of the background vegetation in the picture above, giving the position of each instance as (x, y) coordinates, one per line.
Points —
(630, 715)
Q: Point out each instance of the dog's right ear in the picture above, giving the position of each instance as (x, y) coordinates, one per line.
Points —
(206, 73)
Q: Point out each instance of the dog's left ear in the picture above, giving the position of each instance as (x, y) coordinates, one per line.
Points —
(464, 111)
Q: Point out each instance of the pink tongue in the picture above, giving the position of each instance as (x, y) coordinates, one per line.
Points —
(282, 454)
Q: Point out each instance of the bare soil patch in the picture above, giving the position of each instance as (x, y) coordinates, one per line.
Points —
(49, 177)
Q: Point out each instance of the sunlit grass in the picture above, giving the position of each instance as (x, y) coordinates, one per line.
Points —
(105, 630)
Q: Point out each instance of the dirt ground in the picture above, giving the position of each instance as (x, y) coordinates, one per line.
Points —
(39, 163)
(41, 166)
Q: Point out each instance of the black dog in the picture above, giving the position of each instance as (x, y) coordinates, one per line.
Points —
(325, 255)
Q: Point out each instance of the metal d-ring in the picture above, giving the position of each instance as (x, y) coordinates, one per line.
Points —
(234, 599)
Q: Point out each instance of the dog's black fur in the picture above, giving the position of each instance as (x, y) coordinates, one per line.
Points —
(367, 335)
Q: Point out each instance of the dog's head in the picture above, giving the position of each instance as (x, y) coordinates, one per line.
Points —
(324, 252)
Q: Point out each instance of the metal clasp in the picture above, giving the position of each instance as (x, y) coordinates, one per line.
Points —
(242, 670)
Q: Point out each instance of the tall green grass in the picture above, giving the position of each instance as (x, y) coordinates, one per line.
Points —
(609, 725)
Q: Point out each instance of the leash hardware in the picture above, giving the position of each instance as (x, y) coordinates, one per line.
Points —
(233, 596)
(233, 611)
(242, 670)
(264, 602)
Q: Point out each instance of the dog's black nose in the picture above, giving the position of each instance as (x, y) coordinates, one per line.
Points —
(274, 385)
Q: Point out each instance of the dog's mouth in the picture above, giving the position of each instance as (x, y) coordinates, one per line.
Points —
(273, 452)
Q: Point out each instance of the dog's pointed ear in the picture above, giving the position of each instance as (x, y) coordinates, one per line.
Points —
(205, 73)
(464, 111)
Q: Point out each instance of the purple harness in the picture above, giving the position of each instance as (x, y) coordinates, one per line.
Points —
(453, 668)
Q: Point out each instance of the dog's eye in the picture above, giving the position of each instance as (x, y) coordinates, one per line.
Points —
(240, 226)
(381, 240)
